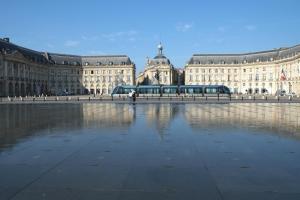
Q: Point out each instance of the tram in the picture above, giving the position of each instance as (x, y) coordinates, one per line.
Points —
(172, 90)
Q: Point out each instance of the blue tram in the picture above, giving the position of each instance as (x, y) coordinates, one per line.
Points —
(172, 90)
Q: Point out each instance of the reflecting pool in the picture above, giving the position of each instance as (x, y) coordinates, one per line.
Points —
(150, 151)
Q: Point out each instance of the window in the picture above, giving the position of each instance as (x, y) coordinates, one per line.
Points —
(250, 77)
(244, 70)
(271, 76)
(92, 72)
(257, 77)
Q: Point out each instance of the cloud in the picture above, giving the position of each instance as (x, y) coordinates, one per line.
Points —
(121, 35)
(184, 27)
(250, 27)
(71, 43)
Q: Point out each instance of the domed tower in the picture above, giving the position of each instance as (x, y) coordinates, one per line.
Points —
(158, 71)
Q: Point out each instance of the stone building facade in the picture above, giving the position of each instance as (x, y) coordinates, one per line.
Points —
(158, 71)
(27, 72)
(266, 72)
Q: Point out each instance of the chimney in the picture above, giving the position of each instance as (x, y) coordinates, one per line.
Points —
(6, 39)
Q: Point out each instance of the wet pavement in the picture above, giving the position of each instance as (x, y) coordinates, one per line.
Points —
(150, 151)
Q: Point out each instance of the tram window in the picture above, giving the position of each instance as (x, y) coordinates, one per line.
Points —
(190, 90)
(210, 90)
(169, 90)
(198, 90)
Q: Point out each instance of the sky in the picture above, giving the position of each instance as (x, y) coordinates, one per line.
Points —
(136, 27)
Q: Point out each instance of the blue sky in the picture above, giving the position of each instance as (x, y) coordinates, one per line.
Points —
(135, 27)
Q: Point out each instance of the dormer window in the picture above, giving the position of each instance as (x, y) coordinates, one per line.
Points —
(86, 63)
(64, 62)
(111, 63)
(245, 61)
(257, 60)
(99, 63)
(123, 63)
(271, 59)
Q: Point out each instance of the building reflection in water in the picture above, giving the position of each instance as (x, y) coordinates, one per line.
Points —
(283, 119)
(19, 121)
(160, 116)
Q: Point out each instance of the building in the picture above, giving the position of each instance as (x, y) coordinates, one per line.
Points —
(27, 72)
(266, 72)
(158, 71)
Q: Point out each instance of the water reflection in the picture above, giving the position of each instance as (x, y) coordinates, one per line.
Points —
(19, 121)
(282, 119)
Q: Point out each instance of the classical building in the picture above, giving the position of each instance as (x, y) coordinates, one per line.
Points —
(27, 72)
(257, 72)
(158, 71)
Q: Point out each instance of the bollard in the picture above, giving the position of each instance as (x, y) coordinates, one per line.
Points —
(253, 98)
(230, 98)
(147, 98)
(89, 98)
(290, 98)
(78, 98)
(194, 98)
(266, 98)
(242, 98)
(278, 98)
(33, 99)
(112, 98)
(206, 98)
(182, 98)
